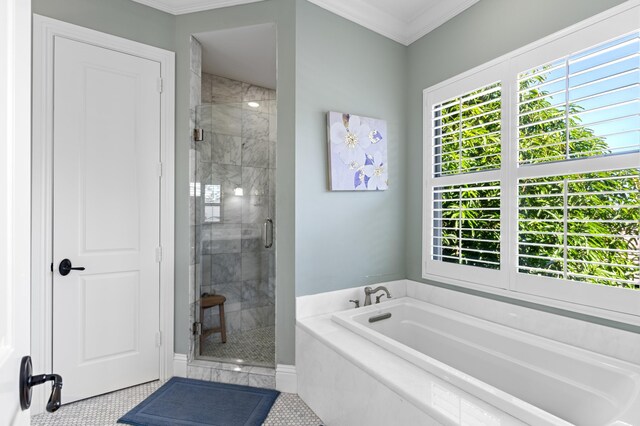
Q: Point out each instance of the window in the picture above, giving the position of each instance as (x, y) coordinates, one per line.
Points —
(466, 152)
(212, 203)
(532, 168)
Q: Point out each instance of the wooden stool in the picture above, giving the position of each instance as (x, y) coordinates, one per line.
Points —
(209, 302)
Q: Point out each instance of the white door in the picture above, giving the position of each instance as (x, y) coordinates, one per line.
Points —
(15, 184)
(106, 201)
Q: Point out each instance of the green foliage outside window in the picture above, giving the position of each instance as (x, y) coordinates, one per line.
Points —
(597, 232)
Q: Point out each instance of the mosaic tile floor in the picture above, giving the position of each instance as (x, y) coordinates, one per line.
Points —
(105, 410)
(254, 347)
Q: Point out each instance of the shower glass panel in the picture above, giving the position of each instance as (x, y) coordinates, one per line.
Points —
(235, 231)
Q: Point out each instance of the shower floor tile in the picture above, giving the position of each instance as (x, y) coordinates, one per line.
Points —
(105, 410)
(253, 347)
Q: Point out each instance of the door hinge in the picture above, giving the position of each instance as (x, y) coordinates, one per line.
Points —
(159, 85)
(158, 254)
(158, 339)
(197, 328)
(159, 169)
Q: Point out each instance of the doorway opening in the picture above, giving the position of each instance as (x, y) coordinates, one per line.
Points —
(233, 190)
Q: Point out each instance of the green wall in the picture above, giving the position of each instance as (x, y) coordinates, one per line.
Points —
(487, 30)
(123, 18)
(346, 239)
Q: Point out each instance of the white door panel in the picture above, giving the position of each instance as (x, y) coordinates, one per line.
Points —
(106, 198)
(15, 183)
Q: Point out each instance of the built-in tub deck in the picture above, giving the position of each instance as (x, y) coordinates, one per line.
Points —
(534, 379)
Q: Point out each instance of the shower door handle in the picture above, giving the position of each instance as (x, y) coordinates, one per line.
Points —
(268, 233)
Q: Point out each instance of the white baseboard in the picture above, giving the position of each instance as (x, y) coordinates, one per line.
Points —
(180, 365)
(286, 378)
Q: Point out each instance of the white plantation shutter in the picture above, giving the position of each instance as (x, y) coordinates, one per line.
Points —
(583, 105)
(463, 186)
(467, 224)
(532, 170)
(467, 132)
(582, 227)
(582, 110)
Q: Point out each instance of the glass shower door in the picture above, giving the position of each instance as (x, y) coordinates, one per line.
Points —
(235, 233)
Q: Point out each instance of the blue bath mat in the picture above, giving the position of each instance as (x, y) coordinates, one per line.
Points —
(188, 402)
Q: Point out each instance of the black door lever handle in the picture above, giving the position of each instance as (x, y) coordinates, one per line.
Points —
(27, 381)
(66, 267)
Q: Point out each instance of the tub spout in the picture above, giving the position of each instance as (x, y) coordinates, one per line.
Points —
(368, 291)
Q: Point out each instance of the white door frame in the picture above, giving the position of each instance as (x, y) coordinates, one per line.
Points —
(44, 31)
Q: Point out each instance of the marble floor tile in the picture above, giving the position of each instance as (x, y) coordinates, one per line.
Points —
(105, 410)
(252, 346)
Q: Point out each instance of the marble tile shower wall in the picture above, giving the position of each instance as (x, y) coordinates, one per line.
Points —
(238, 151)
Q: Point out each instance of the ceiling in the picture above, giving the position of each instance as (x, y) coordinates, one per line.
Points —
(179, 7)
(246, 54)
(404, 21)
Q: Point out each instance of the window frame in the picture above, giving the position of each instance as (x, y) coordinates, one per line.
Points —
(588, 298)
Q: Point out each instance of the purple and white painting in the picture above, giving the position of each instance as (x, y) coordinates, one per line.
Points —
(357, 152)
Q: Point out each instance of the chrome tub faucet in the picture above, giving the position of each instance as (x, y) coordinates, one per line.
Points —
(368, 291)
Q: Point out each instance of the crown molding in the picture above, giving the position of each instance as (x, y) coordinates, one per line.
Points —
(431, 19)
(181, 7)
(358, 11)
(361, 12)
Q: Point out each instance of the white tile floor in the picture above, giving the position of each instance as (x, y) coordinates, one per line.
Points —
(288, 410)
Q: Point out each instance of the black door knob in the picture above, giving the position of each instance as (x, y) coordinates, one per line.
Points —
(66, 267)
(27, 381)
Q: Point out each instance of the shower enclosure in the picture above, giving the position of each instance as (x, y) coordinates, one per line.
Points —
(235, 243)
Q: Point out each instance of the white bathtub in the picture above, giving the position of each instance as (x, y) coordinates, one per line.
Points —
(534, 379)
